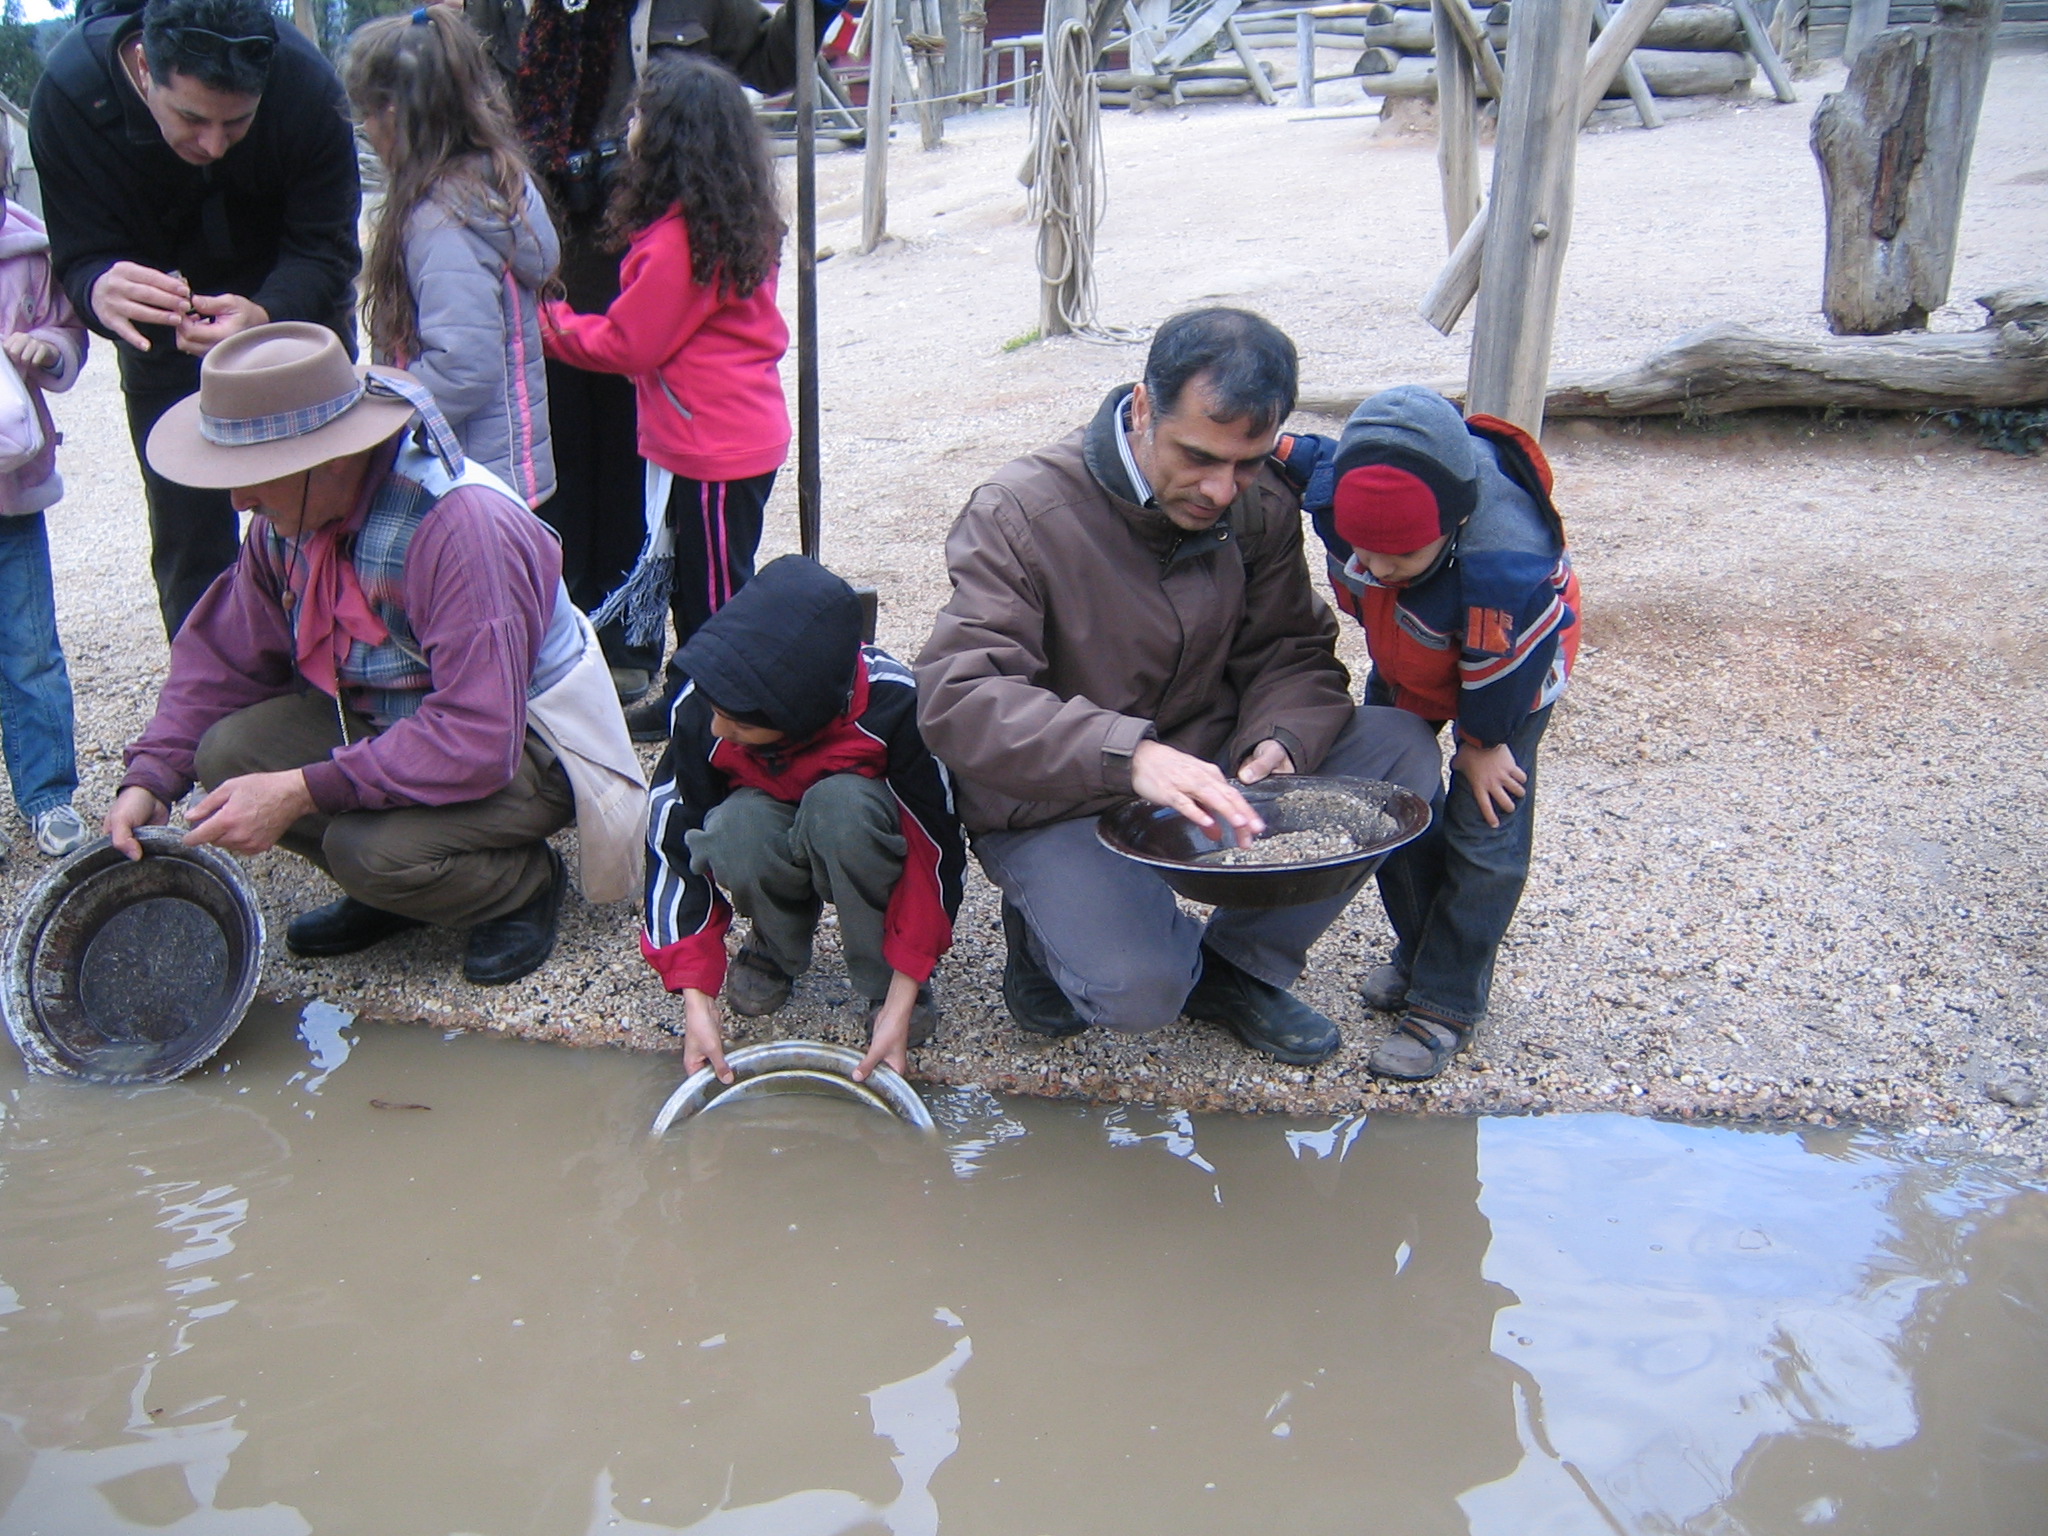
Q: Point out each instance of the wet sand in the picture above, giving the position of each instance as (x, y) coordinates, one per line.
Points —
(1793, 833)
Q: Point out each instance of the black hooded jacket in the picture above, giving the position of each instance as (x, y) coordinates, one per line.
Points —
(787, 650)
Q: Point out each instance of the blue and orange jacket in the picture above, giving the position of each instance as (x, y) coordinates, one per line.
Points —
(1490, 633)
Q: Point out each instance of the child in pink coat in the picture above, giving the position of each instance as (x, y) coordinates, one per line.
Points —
(44, 344)
(696, 328)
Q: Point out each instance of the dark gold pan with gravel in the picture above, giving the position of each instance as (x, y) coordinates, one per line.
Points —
(1323, 838)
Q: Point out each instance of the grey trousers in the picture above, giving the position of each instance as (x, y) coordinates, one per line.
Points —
(455, 865)
(842, 843)
(1109, 930)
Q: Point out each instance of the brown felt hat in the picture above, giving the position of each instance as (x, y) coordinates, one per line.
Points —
(273, 400)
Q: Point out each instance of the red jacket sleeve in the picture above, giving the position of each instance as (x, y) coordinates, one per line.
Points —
(659, 308)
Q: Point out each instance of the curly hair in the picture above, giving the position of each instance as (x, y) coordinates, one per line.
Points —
(696, 145)
(426, 83)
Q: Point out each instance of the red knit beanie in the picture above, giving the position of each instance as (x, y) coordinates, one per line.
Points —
(1386, 511)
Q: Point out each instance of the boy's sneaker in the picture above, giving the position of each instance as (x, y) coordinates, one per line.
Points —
(59, 831)
(1385, 989)
(1420, 1047)
(924, 1017)
(648, 721)
(755, 986)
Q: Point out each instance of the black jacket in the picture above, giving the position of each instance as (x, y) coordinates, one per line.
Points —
(273, 220)
(787, 648)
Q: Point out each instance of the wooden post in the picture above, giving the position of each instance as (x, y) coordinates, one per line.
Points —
(306, 17)
(1867, 18)
(1457, 122)
(1480, 47)
(1788, 34)
(1531, 208)
(1304, 59)
(927, 52)
(1631, 76)
(1894, 148)
(809, 504)
(874, 192)
(1252, 67)
(973, 51)
(1760, 49)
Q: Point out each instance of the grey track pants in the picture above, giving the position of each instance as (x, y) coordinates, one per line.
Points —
(455, 865)
(842, 843)
(1110, 931)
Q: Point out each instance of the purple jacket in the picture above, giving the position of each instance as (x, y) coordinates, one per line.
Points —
(31, 301)
(481, 578)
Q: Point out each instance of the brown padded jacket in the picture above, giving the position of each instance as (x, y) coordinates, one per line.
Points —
(1082, 624)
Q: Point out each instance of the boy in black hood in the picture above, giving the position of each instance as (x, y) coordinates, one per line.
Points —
(794, 776)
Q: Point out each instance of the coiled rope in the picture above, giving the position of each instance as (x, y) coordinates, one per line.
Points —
(1070, 186)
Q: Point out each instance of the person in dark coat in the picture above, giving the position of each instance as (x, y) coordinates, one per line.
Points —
(572, 72)
(199, 176)
(796, 776)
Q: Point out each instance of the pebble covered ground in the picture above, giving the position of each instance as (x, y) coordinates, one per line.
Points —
(1791, 856)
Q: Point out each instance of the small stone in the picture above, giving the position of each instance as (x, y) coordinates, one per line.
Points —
(2019, 1094)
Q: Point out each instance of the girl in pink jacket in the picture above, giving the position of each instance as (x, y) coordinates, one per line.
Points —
(696, 328)
(44, 345)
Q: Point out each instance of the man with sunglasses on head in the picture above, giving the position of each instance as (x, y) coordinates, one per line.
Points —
(199, 177)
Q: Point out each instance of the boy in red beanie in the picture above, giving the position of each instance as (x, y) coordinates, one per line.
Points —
(1443, 542)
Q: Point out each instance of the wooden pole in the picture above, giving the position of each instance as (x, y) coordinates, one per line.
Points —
(809, 503)
(1458, 280)
(1457, 122)
(1894, 148)
(1631, 76)
(874, 191)
(1305, 59)
(1531, 206)
(1252, 67)
(1867, 18)
(927, 51)
(1760, 49)
(307, 19)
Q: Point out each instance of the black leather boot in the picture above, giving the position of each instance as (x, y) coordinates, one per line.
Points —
(519, 943)
(1034, 998)
(343, 927)
(1265, 1017)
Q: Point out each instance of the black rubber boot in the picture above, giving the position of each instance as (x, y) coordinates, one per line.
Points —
(519, 943)
(342, 928)
(1034, 998)
(1267, 1018)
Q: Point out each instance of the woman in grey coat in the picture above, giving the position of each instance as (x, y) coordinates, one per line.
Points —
(462, 244)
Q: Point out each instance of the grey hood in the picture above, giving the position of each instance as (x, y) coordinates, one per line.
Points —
(1417, 430)
(527, 243)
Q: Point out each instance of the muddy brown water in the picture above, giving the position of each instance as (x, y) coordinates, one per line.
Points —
(373, 1279)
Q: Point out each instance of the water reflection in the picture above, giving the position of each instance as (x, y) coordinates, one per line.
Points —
(507, 1310)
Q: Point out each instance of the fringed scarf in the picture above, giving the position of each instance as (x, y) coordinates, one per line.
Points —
(566, 61)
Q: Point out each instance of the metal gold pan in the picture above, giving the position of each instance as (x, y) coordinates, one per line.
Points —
(811, 1067)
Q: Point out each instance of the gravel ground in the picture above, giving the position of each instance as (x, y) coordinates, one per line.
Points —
(1792, 849)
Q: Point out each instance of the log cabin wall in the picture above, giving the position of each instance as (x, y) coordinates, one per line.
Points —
(2025, 25)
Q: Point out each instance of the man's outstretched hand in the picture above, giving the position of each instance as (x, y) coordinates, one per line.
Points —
(250, 813)
(133, 807)
(1195, 787)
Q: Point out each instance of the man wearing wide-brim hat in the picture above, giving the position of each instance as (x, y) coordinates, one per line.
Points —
(390, 681)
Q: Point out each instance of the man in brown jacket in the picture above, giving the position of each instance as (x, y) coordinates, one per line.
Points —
(1132, 615)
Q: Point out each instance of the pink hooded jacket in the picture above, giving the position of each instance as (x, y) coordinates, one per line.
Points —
(31, 301)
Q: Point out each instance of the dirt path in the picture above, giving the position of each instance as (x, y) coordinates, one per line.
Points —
(1792, 852)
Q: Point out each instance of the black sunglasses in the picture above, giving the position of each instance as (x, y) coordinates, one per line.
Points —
(254, 52)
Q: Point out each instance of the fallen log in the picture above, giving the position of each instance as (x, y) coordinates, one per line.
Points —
(1691, 28)
(1728, 367)
(1408, 32)
(1666, 73)
(1377, 61)
(1239, 86)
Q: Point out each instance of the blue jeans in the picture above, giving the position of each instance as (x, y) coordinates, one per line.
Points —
(35, 688)
(1451, 893)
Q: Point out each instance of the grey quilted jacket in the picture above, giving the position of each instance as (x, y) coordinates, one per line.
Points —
(476, 278)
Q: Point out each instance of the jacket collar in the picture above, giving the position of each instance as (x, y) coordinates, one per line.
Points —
(1103, 449)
